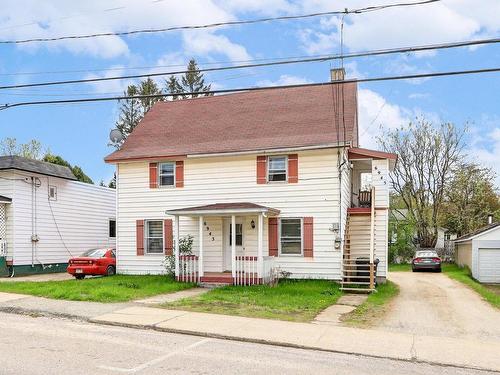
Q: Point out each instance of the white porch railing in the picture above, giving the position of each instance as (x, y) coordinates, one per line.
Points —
(188, 269)
(247, 270)
(3, 248)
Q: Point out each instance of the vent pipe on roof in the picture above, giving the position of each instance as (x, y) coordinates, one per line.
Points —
(490, 219)
(337, 74)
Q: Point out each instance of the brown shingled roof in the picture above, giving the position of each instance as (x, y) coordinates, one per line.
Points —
(247, 121)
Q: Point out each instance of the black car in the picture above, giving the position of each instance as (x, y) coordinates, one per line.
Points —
(426, 260)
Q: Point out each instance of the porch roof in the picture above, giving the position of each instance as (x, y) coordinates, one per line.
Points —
(4, 199)
(224, 209)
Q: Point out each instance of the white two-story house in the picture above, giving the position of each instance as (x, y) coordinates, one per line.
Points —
(264, 180)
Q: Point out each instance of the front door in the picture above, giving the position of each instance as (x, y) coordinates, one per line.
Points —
(228, 241)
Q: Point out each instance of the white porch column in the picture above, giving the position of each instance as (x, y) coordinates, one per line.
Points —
(176, 246)
(260, 257)
(233, 246)
(200, 252)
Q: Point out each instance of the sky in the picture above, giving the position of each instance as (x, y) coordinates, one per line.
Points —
(79, 132)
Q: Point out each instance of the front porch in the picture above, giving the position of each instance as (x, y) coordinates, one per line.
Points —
(237, 257)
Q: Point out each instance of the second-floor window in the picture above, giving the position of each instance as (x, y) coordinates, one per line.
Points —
(166, 175)
(277, 168)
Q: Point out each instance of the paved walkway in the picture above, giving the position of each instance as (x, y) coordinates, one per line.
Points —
(345, 304)
(60, 276)
(470, 353)
(172, 297)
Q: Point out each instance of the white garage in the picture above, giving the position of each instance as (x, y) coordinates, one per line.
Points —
(480, 251)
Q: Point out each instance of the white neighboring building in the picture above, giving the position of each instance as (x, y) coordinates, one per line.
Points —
(480, 251)
(46, 216)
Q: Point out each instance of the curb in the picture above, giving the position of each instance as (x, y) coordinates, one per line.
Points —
(40, 313)
(281, 344)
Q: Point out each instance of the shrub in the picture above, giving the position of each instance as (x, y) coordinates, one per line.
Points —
(185, 248)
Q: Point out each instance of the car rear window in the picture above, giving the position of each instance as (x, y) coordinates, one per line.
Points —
(424, 254)
(95, 253)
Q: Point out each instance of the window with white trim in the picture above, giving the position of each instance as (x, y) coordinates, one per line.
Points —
(291, 236)
(166, 174)
(277, 168)
(239, 234)
(154, 236)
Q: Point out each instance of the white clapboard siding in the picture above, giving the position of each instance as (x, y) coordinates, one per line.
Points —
(233, 179)
(7, 181)
(381, 239)
(380, 180)
(79, 219)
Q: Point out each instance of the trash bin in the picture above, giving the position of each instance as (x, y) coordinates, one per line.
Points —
(363, 269)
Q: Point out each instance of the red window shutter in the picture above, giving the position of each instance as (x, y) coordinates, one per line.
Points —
(139, 230)
(308, 237)
(273, 236)
(168, 233)
(179, 173)
(293, 168)
(153, 175)
(261, 169)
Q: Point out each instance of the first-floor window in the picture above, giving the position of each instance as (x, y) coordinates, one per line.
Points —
(239, 234)
(154, 237)
(291, 236)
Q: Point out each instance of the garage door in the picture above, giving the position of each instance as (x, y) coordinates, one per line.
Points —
(489, 265)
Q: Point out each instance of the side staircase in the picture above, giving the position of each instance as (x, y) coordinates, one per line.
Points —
(358, 268)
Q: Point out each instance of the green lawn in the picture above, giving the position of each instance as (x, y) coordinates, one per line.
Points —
(375, 306)
(490, 293)
(293, 300)
(118, 288)
(406, 267)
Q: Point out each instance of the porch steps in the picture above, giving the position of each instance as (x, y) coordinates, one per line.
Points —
(357, 245)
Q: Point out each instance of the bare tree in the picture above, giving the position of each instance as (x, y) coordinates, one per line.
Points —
(427, 159)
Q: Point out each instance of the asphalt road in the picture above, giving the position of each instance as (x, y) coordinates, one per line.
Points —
(435, 305)
(35, 345)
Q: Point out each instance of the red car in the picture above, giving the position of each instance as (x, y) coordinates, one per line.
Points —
(93, 262)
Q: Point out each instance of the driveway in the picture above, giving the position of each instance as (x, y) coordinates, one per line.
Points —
(60, 276)
(433, 304)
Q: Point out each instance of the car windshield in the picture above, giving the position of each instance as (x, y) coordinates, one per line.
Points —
(95, 253)
(424, 254)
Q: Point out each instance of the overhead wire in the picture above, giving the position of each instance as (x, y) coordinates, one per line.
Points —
(218, 24)
(258, 65)
(246, 89)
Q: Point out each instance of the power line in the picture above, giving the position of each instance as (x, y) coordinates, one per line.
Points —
(226, 91)
(258, 65)
(218, 24)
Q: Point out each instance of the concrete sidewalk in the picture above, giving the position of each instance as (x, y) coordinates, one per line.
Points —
(468, 353)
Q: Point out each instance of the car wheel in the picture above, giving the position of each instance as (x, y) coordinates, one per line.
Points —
(439, 269)
(110, 271)
(79, 277)
(413, 270)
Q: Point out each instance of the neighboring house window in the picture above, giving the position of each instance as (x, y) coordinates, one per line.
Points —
(166, 175)
(154, 237)
(239, 234)
(52, 193)
(112, 228)
(277, 168)
(291, 236)
(366, 181)
(447, 236)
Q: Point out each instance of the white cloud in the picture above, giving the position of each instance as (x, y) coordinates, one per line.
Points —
(284, 79)
(35, 19)
(377, 115)
(203, 43)
(419, 95)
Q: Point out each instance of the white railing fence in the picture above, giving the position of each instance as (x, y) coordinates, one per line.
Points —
(247, 270)
(3, 248)
(188, 269)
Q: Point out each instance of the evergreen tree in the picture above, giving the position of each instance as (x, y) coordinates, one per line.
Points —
(131, 112)
(192, 82)
(149, 87)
